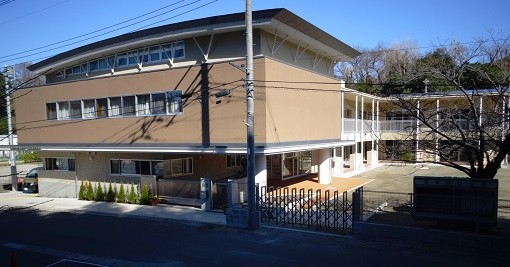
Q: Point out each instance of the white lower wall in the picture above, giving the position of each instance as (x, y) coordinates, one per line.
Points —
(49, 187)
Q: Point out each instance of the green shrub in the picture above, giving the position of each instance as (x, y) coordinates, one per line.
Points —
(29, 157)
(121, 197)
(144, 195)
(81, 194)
(406, 156)
(99, 196)
(110, 194)
(90, 192)
(132, 195)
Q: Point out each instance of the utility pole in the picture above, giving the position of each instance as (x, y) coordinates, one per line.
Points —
(250, 121)
(9, 77)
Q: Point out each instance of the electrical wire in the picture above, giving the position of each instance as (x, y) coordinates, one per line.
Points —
(123, 27)
(89, 33)
(37, 11)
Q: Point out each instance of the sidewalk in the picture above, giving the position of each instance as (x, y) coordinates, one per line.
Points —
(20, 200)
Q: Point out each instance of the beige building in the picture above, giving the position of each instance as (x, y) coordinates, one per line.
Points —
(169, 102)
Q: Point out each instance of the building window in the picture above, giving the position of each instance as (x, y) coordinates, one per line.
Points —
(158, 103)
(102, 107)
(75, 111)
(89, 108)
(51, 111)
(182, 166)
(128, 106)
(169, 103)
(63, 110)
(233, 160)
(115, 106)
(157, 53)
(134, 167)
(143, 104)
(174, 102)
(60, 164)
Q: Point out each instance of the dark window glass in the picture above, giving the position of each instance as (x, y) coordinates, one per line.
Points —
(145, 167)
(157, 168)
(102, 107)
(128, 106)
(93, 65)
(115, 166)
(51, 111)
(72, 165)
(75, 110)
(158, 103)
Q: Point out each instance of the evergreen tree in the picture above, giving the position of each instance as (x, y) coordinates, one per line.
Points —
(82, 193)
(144, 195)
(90, 192)
(132, 195)
(121, 197)
(99, 196)
(110, 195)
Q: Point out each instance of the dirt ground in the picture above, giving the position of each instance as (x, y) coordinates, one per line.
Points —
(399, 178)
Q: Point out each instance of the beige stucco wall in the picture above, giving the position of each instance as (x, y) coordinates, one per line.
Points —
(225, 118)
(300, 111)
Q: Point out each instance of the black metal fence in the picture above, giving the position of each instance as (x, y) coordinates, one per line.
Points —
(321, 210)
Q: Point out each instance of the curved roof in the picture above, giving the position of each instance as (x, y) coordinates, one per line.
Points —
(272, 18)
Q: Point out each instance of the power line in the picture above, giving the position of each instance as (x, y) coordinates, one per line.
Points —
(5, 2)
(37, 11)
(123, 27)
(89, 33)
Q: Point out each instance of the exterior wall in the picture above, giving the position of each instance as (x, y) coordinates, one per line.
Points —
(299, 115)
(288, 51)
(96, 167)
(225, 119)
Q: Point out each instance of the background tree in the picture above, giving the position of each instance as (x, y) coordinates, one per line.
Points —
(473, 126)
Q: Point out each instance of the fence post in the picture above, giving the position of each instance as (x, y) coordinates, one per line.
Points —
(205, 194)
(357, 205)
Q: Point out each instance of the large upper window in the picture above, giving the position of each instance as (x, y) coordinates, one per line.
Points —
(153, 54)
(169, 103)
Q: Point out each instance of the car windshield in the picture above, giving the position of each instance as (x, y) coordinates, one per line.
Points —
(32, 173)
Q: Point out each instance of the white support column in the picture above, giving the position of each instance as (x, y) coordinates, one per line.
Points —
(372, 124)
(261, 170)
(338, 160)
(362, 132)
(417, 130)
(324, 161)
(378, 122)
(342, 114)
(354, 160)
(437, 158)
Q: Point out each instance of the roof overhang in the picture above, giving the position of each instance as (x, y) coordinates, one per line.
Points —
(280, 19)
(259, 150)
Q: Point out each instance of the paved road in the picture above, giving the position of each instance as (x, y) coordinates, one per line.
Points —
(43, 238)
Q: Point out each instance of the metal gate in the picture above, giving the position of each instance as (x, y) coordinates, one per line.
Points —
(322, 210)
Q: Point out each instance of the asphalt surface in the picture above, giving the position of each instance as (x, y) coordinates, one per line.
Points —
(38, 238)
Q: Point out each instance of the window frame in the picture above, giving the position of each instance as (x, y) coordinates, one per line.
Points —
(70, 162)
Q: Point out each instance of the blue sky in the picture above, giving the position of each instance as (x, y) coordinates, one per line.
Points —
(31, 24)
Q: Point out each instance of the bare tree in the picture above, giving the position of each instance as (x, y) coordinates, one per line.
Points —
(466, 118)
